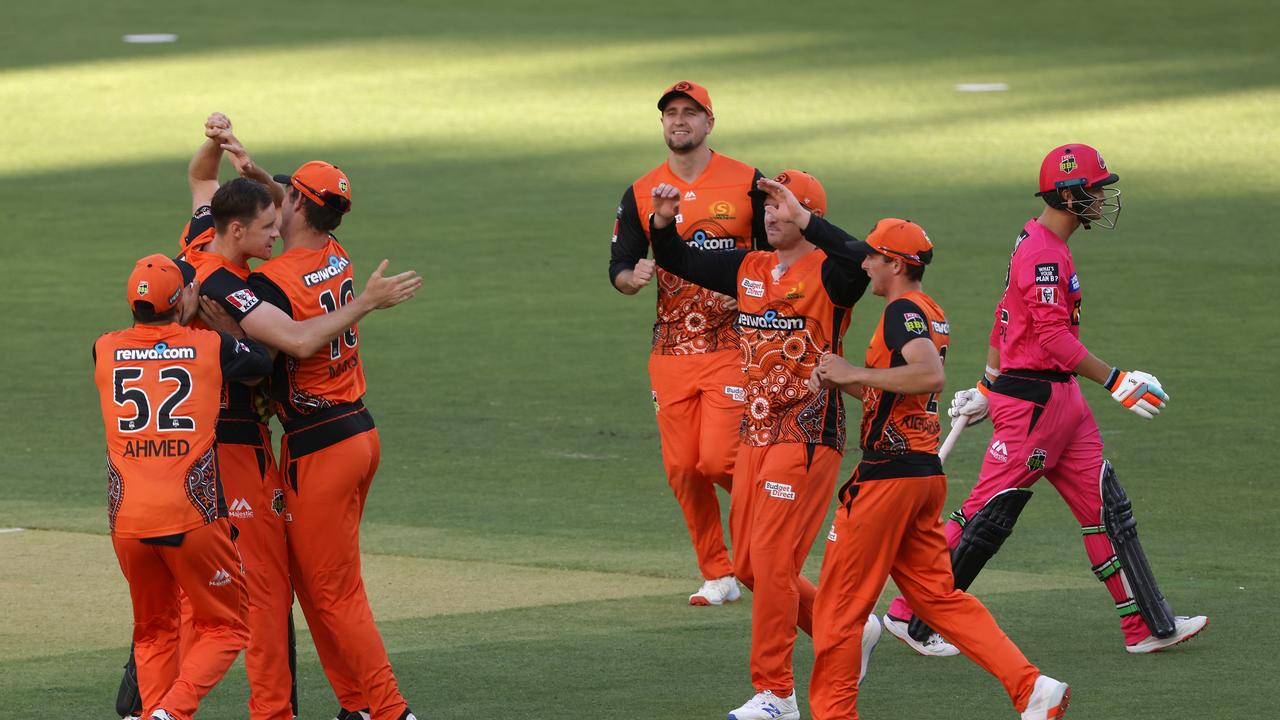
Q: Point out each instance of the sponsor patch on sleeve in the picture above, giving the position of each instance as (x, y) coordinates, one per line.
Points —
(913, 323)
(1048, 295)
(1047, 274)
(242, 300)
(753, 288)
(1075, 283)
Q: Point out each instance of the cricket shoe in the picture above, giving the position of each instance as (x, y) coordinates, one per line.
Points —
(345, 714)
(161, 714)
(933, 646)
(870, 639)
(1184, 628)
(408, 715)
(767, 706)
(1048, 700)
(717, 592)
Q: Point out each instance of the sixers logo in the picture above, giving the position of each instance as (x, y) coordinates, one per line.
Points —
(1067, 163)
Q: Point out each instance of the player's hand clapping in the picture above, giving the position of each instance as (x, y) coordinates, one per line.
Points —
(383, 292)
(666, 205)
(216, 125)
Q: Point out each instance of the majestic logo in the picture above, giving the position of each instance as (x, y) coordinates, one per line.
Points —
(1048, 295)
(1036, 460)
(160, 351)
(1047, 274)
(1068, 163)
(782, 491)
(998, 451)
(240, 509)
(690, 195)
(738, 394)
(913, 323)
(797, 292)
(722, 210)
(277, 501)
(242, 300)
(143, 288)
(332, 270)
(770, 320)
(753, 288)
(220, 578)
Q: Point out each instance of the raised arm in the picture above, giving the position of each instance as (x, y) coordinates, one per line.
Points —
(716, 271)
(202, 171)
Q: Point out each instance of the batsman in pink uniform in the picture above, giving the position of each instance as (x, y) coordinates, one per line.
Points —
(1043, 426)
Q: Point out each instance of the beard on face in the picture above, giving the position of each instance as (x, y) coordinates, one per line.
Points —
(682, 144)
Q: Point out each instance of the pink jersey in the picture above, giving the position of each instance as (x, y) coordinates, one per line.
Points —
(1037, 323)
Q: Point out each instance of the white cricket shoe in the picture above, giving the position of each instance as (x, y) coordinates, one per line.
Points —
(161, 714)
(717, 592)
(870, 639)
(1184, 628)
(934, 646)
(767, 706)
(1048, 700)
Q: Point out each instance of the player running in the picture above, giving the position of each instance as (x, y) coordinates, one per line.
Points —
(695, 369)
(330, 449)
(887, 521)
(793, 306)
(160, 385)
(1043, 427)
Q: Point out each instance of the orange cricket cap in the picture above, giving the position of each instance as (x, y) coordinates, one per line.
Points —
(322, 183)
(691, 90)
(158, 280)
(902, 239)
(806, 188)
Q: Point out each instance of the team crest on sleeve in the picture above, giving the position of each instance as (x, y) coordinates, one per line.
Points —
(1048, 295)
(1047, 274)
(242, 300)
(913, 323)
(1068, 163)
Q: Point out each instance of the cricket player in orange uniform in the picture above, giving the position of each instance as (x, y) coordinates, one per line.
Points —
(887, 522)
(695, 368)
(793, 306)
(160, 386)
(330, 449)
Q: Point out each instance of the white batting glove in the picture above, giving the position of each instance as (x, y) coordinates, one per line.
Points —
(1139, 391)
(971, 403)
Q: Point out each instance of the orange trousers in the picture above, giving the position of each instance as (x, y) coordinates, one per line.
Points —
(780, 498)
(206, 567)
(698, 400)
(256, 501)
(325, 496)
(892, 527)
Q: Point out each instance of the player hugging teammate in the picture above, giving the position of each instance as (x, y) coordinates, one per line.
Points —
(285, 311)
(792, 306)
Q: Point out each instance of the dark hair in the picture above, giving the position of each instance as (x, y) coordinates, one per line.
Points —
(319, 217)
(240, 199)
(145, 312)
(915, 272)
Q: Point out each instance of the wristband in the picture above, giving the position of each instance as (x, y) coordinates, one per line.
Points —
(1111, 379)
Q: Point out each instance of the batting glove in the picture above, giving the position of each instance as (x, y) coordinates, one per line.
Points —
(971, 403)
(1138, 391)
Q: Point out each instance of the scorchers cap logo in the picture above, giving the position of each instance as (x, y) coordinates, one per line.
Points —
(332, 270)
(1068, 163)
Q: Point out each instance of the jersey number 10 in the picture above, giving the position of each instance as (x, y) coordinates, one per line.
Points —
(346, 292)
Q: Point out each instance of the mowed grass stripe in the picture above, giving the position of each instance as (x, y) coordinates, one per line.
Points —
(45, 618)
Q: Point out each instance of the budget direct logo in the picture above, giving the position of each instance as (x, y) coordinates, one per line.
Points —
(770, 320)
(332, 270)
(159, 351)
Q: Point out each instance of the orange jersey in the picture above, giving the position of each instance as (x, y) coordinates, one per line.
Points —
(787, 318)
(159, 388)
(228, 285)
(895, 424)
(720, 210)
(305, 284)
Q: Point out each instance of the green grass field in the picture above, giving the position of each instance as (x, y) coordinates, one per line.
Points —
(524, 554)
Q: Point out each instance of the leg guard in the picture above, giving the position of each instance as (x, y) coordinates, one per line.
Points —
(128, 699)
(982, 537)
(1117, 515)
